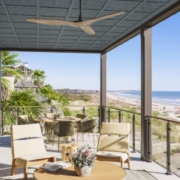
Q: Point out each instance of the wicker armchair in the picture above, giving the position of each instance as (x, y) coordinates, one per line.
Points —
(88, 126)
(63, 129)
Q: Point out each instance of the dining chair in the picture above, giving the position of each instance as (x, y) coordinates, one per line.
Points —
(88, 126)
(49, 130)
(27, 147)
(83, 117)
(49, 115)
(113, 143)
(63, 129)
(23, 119)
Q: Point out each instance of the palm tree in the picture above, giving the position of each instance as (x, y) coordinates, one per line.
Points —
(9, 61)
(26, 102)
(6, 87)
(38, 77)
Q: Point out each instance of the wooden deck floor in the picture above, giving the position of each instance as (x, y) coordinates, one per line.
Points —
(136, 163)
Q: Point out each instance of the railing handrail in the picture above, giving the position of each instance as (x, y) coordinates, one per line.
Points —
(21, 106)
(156, 117)
(122, 110)
(164, 119)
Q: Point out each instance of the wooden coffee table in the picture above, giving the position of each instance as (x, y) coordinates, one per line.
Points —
(101, 171)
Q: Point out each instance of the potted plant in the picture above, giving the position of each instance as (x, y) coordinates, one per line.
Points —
(83, 160)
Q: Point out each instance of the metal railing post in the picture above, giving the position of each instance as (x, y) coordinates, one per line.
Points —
(149, 141)
(83, 110)
(18, 110)
(168, 129)
(119, 116)
(109, 114)
(103, 114)
(2, 120)
(133, 132)
(98, 111)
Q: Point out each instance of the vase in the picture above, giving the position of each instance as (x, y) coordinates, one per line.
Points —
(83, 171)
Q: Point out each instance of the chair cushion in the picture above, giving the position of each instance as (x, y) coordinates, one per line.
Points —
(34, 157)
(107, 154)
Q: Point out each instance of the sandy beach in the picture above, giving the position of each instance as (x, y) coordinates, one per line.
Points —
(165, 110)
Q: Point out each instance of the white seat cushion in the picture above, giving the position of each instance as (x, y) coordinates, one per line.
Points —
(124, 156)
(36, 156)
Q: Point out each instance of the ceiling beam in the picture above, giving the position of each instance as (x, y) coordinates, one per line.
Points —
(37, 15)
(67, 16)
(128, 14)
(102, 9)
(10, 21)
(48, 50)
(153, 21)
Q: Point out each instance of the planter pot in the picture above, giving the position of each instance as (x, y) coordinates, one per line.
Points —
(84, 171)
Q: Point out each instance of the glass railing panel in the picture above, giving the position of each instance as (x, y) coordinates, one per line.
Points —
(138, 132)
(158, 136)
(175, 148)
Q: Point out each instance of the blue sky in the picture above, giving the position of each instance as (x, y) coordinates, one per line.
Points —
(82, 71)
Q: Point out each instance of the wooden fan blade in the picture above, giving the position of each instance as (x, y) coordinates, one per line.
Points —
(90, 21)
(88, 30)
(53, 22)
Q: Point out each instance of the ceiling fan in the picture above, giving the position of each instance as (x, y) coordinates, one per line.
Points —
(84, 25)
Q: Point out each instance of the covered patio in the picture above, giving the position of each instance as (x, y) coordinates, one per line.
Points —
(17, 34)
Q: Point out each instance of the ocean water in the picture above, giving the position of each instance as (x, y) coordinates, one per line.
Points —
(167, 97)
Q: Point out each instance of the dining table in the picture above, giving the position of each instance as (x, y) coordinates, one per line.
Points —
(47, 124)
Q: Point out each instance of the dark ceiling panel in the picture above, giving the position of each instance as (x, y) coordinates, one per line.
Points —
(91, 5)
(48, 36)
(20, 3)
(27, 40)
(51, 12)
(55, 3)
(20, 18)
(25, 25)
(5, 31)
(2, 10)
(54, 32)
(21, 10)
(16, 32)
(47, 40)
(5, 25)
(3, 18)
(7, 39)
(123, 5)
(58, 28)
(26, 31)
(137, 16)
(149, 7)
(24, 36)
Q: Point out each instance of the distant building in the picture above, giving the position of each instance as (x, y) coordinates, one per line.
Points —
(27, 73)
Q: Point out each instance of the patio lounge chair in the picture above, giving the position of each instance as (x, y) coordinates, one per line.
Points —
(28, 147)
(113, 144)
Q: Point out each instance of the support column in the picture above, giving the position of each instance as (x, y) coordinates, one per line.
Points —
(103, 88)
(0, 97)
(146, 91)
